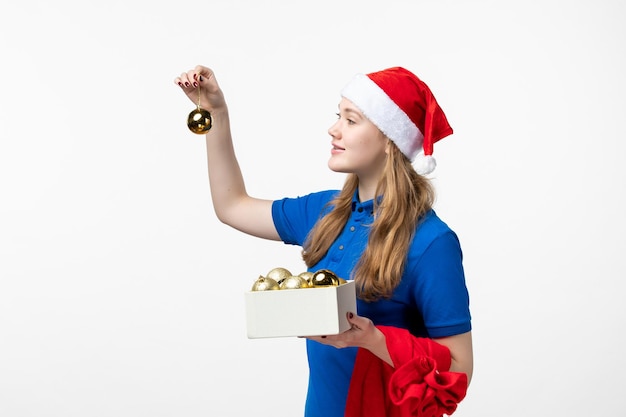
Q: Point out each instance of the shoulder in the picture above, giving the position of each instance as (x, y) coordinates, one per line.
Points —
(315, 200)
(433, 232)
(431, 226)
(322, 197)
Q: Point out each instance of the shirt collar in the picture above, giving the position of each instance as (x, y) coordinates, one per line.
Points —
(365, 206)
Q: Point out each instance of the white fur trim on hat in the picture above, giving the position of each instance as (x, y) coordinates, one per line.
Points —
(376, 105)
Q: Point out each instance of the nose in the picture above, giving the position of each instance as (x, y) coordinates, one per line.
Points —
(333, 130)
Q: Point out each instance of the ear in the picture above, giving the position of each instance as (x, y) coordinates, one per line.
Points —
(388, 146)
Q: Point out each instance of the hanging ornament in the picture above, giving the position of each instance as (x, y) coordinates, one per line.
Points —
(199, 120)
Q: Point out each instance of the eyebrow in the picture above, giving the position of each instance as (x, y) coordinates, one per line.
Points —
(351, 110)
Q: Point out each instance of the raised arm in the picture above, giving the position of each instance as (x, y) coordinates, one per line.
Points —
(231, 202)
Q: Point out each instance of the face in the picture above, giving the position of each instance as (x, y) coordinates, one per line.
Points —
(358, 146)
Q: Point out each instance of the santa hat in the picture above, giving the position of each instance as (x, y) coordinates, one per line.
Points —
(404, 109)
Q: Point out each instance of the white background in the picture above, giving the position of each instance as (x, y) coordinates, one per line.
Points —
(122, 295)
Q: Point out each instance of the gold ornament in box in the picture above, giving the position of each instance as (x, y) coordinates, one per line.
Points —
(282, 279)
(265, 284)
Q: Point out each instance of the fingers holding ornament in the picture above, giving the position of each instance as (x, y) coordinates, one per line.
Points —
(195, 83)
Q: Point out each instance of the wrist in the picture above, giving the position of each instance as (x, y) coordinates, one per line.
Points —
(378, 346)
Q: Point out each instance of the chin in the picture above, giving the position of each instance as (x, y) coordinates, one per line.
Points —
(336, 167)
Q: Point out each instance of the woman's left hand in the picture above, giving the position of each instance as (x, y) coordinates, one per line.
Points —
(363, 333)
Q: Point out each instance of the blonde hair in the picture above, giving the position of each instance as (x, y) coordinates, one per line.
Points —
(405, 196)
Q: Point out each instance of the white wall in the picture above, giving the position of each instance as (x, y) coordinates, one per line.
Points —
(122, 295)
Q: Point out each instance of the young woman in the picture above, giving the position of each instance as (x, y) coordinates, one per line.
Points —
(409, 351)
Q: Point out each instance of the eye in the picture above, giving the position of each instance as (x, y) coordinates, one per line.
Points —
(350, 121)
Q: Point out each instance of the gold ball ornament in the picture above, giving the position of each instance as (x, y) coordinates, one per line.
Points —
(199, 121)
(306, 275)
(294, 282)
(279, 274)
(324, 278)
(265, 284)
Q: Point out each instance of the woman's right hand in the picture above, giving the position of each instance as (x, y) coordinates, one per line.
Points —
(211, 96)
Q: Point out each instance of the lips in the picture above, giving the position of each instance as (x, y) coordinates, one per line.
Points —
(337, 148)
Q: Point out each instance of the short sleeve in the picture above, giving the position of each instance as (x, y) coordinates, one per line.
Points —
(295, 217)
(440, 290)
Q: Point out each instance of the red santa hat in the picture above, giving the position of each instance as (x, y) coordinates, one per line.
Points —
(404, 109)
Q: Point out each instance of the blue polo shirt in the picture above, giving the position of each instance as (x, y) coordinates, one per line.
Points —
(431, 300)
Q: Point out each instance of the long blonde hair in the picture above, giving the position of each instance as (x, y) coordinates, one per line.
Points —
(405, 196)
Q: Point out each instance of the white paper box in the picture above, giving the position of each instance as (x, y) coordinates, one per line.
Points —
(299, 312)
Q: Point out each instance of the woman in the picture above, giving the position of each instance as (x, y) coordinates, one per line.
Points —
(409, 351)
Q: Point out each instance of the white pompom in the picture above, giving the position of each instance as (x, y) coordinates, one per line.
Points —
(425, 164)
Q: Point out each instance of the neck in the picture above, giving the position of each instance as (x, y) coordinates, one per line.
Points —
(367, 189)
